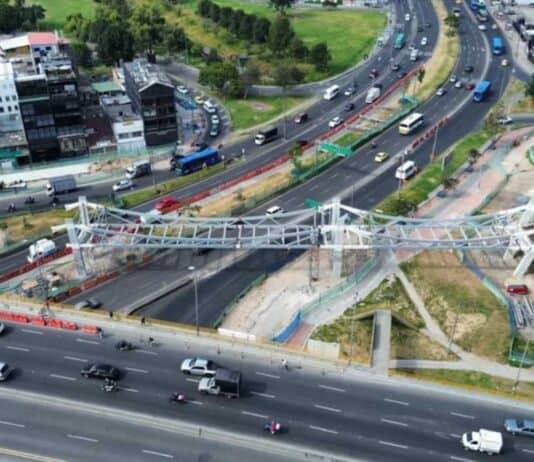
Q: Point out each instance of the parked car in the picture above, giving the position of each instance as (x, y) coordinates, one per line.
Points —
(349, 107)
(301, 118)
(123, 184)
(441, 91)
(504, 120)
(517, 289)
(373, 73)
(273, 210)
(5, 371)
(100, 371)
(182, 90)
(215, 119)
(407, 17)
(198, 366)
(214, 131)
(88, 303)
(335, 122)
(166, 203)
(519, 427)
(381, 157)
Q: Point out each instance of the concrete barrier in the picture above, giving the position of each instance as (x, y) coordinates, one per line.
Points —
(236, 334)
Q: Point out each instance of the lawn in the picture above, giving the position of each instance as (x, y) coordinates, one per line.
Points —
(58, 10)
(348, 138)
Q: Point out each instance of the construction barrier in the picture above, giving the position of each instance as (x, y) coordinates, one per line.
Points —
(90, 329)
(38, 321)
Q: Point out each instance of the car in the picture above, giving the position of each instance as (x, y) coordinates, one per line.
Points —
(412, 47)
(424, 41)
(519, 427)
(504, 63)
(5, 371)
(215, 119)
(201, 145)
(166, 203)
(482, 27)
(214, 131)
(458, 84)
(273, 210)
(182, 90)
(419, 28)
(517, 289)
(470, 86)
(302, 142)
(407, 17)
(199, 100)
(441, 91)
(2, 327)
(349, 91)
(198, 366)
(468, 69)
(428, 25)
(453, 78)
(494, 26)
(504, 120)
(100, 371)
(349, 107)
(301, 118)
(88, 303)
(395, 67)
(401, 75)
(335, 122)
(373, 73)
(381, 157)
(456, 11)
(123, 184)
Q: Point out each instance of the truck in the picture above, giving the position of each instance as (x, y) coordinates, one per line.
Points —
(373, 94)
(483, 440)
(139, 168)
(265, 135)
(225, 382)
(61, 185)
(41, 248)
(481, 91)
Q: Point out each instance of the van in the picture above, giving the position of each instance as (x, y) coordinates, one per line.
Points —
(406, 170)
(209, 107)
(331, 92)
(414, 54)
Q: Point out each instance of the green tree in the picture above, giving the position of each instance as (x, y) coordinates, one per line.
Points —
(215, 13)
(246, 26)
(287, 75)
(235, 21)
(147, 25)
(212, 57)
(176, 39)
(218, 75)
(320, 56)
(81, 54)
(298, 50)
(529, 89)
(281, 5)
(204, 8)
(77, 25)
(225, 16)
(250, 76)
(280, 35)
(260, 30)
(452, 21)
(115, 43)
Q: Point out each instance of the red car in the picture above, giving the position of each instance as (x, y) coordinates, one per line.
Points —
(517, 289)
(167, 204)
(373, 73)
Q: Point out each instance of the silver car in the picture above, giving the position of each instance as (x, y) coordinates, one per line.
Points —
(198, 366)
(5, 371)
(519, 427)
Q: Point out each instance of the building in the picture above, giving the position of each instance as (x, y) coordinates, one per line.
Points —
(127, 126)
(152, 96)
(10, 119)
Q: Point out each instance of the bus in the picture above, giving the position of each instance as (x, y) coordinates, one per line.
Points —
(197, 160)
(481, 91)
(497, 46)
(411, 123)
(399, 41)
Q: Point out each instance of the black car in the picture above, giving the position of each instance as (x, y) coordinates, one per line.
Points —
(201, 145)
(100, 371)
(349, 107)
(301, 118)
(401, 75)
(419, 28)
(88, 303)
(395, 67)
(468, 69)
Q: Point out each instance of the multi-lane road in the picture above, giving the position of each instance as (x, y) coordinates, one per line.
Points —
(320, 406)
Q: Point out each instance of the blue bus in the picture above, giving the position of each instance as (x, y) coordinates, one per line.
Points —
(197, 160)
(399, 41)
(497, 46)
(481, 91)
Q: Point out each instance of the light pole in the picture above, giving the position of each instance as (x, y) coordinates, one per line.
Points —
(356, 299)
(193, 270)
(525, 351)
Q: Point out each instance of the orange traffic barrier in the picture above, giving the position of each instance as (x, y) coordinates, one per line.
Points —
(54, 323)
(21, 318)
(90, 329)
(69, 325)
(38, 321)
(6, 315)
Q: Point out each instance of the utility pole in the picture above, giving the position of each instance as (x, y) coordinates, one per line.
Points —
(453, 332)
(351, 338)
(195, 285)
(434, 145)
(525, 351)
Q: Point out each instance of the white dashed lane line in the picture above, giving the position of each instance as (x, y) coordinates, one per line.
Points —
(11, 424)
(461, 459)
(455, 435)
(327, 387)
(326, 408)
(263, 395)
(31, 331)
(131, 390)
(74, 358)
(82, 438)
(394, 445)
(192, 380)
(463, 416)
(16, 348)
(271, 376)
(91, 342)
(529, 451)
(133, 369)
(394, 422)
(322, 429)
(395, 401)
(254, 414)
(146, 352)
(63, 377)
(158, 454)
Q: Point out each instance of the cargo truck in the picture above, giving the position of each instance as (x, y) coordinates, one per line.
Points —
(486, 441)
(266, 135)
(225, 382)
(41, 248)
(373, 94)
(61, 185)
(137, 169)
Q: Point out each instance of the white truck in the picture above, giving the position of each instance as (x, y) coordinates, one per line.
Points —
(483, 440)
(373, 94)
(225, 382)
(61, 185)
(41, 248)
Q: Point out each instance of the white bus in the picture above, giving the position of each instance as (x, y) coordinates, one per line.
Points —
(331, 92)
(411, 123)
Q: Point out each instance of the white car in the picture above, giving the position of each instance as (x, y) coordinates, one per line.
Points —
(458, 84)
(335, 122)
(441, 91)
(505, 120)
(182, 90)
(122, 185)
(275, 209)
(424, 41)
(482, 27)
(198, 366)
(215, 119)
(407, 17)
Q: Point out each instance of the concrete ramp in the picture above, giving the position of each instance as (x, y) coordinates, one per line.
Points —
(381, 341)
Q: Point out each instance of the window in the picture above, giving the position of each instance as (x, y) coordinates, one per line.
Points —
(14, 97)
(7, 97)
(0, 99)
(1, 110)
(9, 109)
(16, 107)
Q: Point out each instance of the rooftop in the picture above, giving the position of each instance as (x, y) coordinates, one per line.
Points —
(109, 86)
(31, 39)
(119, 108)
(145, 74)
(12, 139)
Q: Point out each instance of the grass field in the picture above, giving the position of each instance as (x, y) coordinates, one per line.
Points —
(58, 10)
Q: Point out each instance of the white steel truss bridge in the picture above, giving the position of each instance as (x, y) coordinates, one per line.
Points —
(333, 226)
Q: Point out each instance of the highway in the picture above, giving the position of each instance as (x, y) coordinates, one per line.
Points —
(346, 413)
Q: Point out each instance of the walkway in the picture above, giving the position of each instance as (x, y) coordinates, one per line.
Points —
(381, 341)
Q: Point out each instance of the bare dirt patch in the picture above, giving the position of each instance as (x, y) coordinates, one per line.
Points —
(259, 106)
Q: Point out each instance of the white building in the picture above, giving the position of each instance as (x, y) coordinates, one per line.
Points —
(127, 126)
(10, 119)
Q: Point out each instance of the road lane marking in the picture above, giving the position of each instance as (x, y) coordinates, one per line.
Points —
(463, 416)
(12, 424)
(133, 369)
(395, 401)
(92, 342)
(326, 408)
(253, 414)
(63, 377)
(31, 331)
(322, 429)
(131, 390)
(454, 435)
(394, 445)
(264, 374)
(327, 387)
(192, 401)
(74, 358)
(263, 395)
(394, 422)
(146, 352)
(461, 459)
(193, 380)
(82, 438)
(530, 451)
(159, 454)
(18, 348)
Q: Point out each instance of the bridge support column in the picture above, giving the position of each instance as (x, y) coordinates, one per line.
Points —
(84, 211)
(76, 251)
(337, 255)
(525, 263)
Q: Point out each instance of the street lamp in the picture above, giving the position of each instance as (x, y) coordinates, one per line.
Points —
(356, 300)
(193, 270)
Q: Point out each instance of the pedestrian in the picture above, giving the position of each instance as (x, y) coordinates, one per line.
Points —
(100, 334)
(284, 364)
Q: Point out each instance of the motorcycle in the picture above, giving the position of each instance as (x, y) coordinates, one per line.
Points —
(177, 397)
(29, 200)
(272, 427)
(109, 386)
(123, 345)
(11, 208)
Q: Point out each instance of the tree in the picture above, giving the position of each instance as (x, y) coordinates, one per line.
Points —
(81, 54)
(449, 183)
(298, 50)
(204, 8)
(260, 30)
(421, 75)
(474, 154)
(280, 35)
(329, 3)
(225, 16)
(287, 75)
(78, 25)
(176, 40)
(212, 57)
(147, 25)
(529, 89)
(320, 56)
(217, 75)
(281, 5)
(215, 13)
(295, 154)
(115, 43)
(452, 21)
(246, 25)
(235, 21)
(250, 76)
